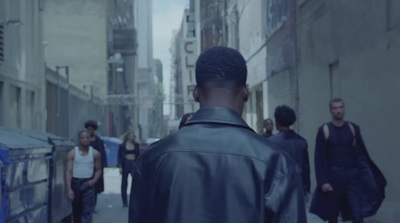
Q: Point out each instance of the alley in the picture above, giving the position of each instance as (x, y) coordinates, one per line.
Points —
(109, 206)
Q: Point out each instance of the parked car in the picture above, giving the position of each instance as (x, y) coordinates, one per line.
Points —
(147, 142)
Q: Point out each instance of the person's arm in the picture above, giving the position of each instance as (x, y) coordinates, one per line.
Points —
(68, 174)
(321, 159)
(97, 168)
(284, 200)
(137, 150)
(362, 155)
(306, 170)
(120, 148)
(104, 162)
(120, 157)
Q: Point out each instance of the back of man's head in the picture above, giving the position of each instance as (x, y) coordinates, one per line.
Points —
(285, 116)
(221, 67)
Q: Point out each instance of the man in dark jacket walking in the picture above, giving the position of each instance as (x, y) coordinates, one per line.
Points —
(98, 145)
(216, 168)
(295, 145)
(349, 183)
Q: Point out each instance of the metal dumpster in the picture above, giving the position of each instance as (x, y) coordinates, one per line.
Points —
(111, 145)
(31, 172)
(61, 208)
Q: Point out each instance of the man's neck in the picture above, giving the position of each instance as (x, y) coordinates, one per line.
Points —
(268, 133)
(222, 97)
(338, 123)
(284, 128)
(84, 148)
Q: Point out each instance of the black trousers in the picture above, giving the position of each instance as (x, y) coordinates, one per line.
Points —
(345, 188)
(129, 168)
(84, 201)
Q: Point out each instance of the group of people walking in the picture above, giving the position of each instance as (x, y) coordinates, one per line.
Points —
(85, 166)
(348, 182)
(215, 168)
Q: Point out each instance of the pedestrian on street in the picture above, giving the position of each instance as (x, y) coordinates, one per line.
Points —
(98, 145)
(128, 152)
(217, 169)
(349, 183)
(185, 118)
(83, 172)
(269, 128)
(292, 143)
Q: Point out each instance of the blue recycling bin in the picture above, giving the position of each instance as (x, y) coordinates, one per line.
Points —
(111, 145)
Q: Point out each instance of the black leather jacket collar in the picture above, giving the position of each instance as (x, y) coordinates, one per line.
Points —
(220, 115)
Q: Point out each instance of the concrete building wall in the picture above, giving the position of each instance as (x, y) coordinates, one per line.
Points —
(75, 34)
(280, 28)
(350, 49)
(252, 45)
(22, 81)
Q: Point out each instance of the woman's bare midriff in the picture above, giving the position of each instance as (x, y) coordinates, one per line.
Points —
(130, 156)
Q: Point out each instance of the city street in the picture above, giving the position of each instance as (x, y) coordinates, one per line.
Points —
(109, 205)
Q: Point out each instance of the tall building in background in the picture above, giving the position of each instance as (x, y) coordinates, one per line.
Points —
(22, 72)
(188, 60)
(122, 65)
(145, 83)
(213, 27)
(176, 76)
(75, 33)
(159, 126)
(184, 50)
(175, 87)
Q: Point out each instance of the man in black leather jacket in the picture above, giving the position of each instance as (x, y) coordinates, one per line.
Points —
(292, 143)
(216, 169)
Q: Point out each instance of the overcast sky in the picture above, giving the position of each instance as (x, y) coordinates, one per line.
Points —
(167, 16)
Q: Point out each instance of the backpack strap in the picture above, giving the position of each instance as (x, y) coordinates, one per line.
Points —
(353, 132)
(326, 131)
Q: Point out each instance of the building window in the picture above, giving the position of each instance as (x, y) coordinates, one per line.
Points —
(1, 43)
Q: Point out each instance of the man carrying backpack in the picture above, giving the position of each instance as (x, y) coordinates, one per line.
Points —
(348, 182)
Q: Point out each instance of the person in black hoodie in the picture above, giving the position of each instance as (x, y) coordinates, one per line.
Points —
(127, 154)
(98, 145)
(292, 143)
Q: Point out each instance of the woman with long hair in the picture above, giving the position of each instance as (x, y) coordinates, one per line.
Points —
(127, 154)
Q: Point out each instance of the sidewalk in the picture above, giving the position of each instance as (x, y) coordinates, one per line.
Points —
(109, 203)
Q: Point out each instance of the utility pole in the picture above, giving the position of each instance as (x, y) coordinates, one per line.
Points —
(66, 127)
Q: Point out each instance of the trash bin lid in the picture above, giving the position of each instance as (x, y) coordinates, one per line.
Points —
(22, 139)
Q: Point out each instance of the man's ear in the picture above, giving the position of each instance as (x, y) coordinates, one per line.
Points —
(246, 93)
(196, 95)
